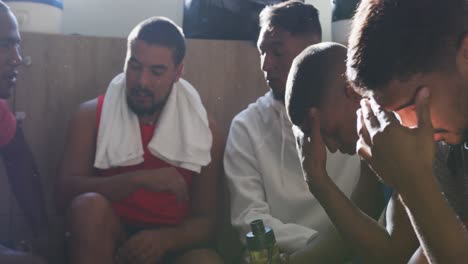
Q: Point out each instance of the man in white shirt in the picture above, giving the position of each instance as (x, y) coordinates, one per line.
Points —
(261, 163)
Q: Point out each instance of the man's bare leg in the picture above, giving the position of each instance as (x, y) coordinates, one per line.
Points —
(95, 229)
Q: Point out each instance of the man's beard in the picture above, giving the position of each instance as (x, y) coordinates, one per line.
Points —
(140, 110)
(278, 94)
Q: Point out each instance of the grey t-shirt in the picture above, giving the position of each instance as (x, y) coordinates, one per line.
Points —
(451, 170)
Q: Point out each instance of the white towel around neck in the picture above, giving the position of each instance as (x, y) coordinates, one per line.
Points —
(182, 136)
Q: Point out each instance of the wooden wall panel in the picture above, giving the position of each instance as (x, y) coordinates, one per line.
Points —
(64, 72)
(67, 70)
(227, 74)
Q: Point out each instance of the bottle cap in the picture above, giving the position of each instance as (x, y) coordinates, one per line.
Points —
(261, 237)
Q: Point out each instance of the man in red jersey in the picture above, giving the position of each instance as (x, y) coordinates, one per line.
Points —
(133, 191)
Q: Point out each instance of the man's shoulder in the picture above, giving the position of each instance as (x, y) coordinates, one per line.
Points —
(255, 112)
(89, 107)
(87, 112)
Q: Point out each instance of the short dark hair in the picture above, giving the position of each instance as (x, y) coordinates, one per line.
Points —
(293, 16)
(393, 40)
(3, 7)
(161, 31)
(311, 73)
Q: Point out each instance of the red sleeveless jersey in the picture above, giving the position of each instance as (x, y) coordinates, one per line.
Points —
(7, 124)
(145, 208)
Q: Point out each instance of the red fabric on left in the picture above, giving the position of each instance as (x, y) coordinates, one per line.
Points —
(7, 123)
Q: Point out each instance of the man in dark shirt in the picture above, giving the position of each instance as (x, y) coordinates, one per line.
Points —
(17, 157)
(411, 57)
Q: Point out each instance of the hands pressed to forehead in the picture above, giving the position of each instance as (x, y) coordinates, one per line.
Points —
(384, 143)
(311, 148)
(389, 147)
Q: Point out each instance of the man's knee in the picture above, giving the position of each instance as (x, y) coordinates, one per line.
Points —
(92, 208)
(208, 256)
(89, 202)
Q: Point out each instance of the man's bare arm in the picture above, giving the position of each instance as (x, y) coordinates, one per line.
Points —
(77, 174)
(368, 239)
(408, 166)
(329, 246)
(200, 226)
(442, 235)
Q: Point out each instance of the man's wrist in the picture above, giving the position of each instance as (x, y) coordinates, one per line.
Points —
(317, 175)
(169, 237)
(317, 180)
(415, 184)
(415, 193)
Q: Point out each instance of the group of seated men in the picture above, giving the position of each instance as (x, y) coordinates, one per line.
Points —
(141, 165)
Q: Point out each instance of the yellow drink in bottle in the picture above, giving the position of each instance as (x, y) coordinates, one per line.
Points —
(261, 243)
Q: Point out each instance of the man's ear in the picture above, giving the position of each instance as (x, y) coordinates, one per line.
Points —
(351, 93)
(306, 124)
(179, 71)
(465, 46)
(462, 56)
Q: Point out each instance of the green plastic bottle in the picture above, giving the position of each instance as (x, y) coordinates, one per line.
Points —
(262, 245)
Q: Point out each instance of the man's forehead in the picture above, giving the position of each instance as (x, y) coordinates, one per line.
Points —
(270, 36)
(394, 96)
(8, 26)
(139, 45)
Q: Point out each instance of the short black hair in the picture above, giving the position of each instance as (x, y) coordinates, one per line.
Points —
(161, 31)
(294, 16)
(393, 40)
(4, 7)
(310, 75)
